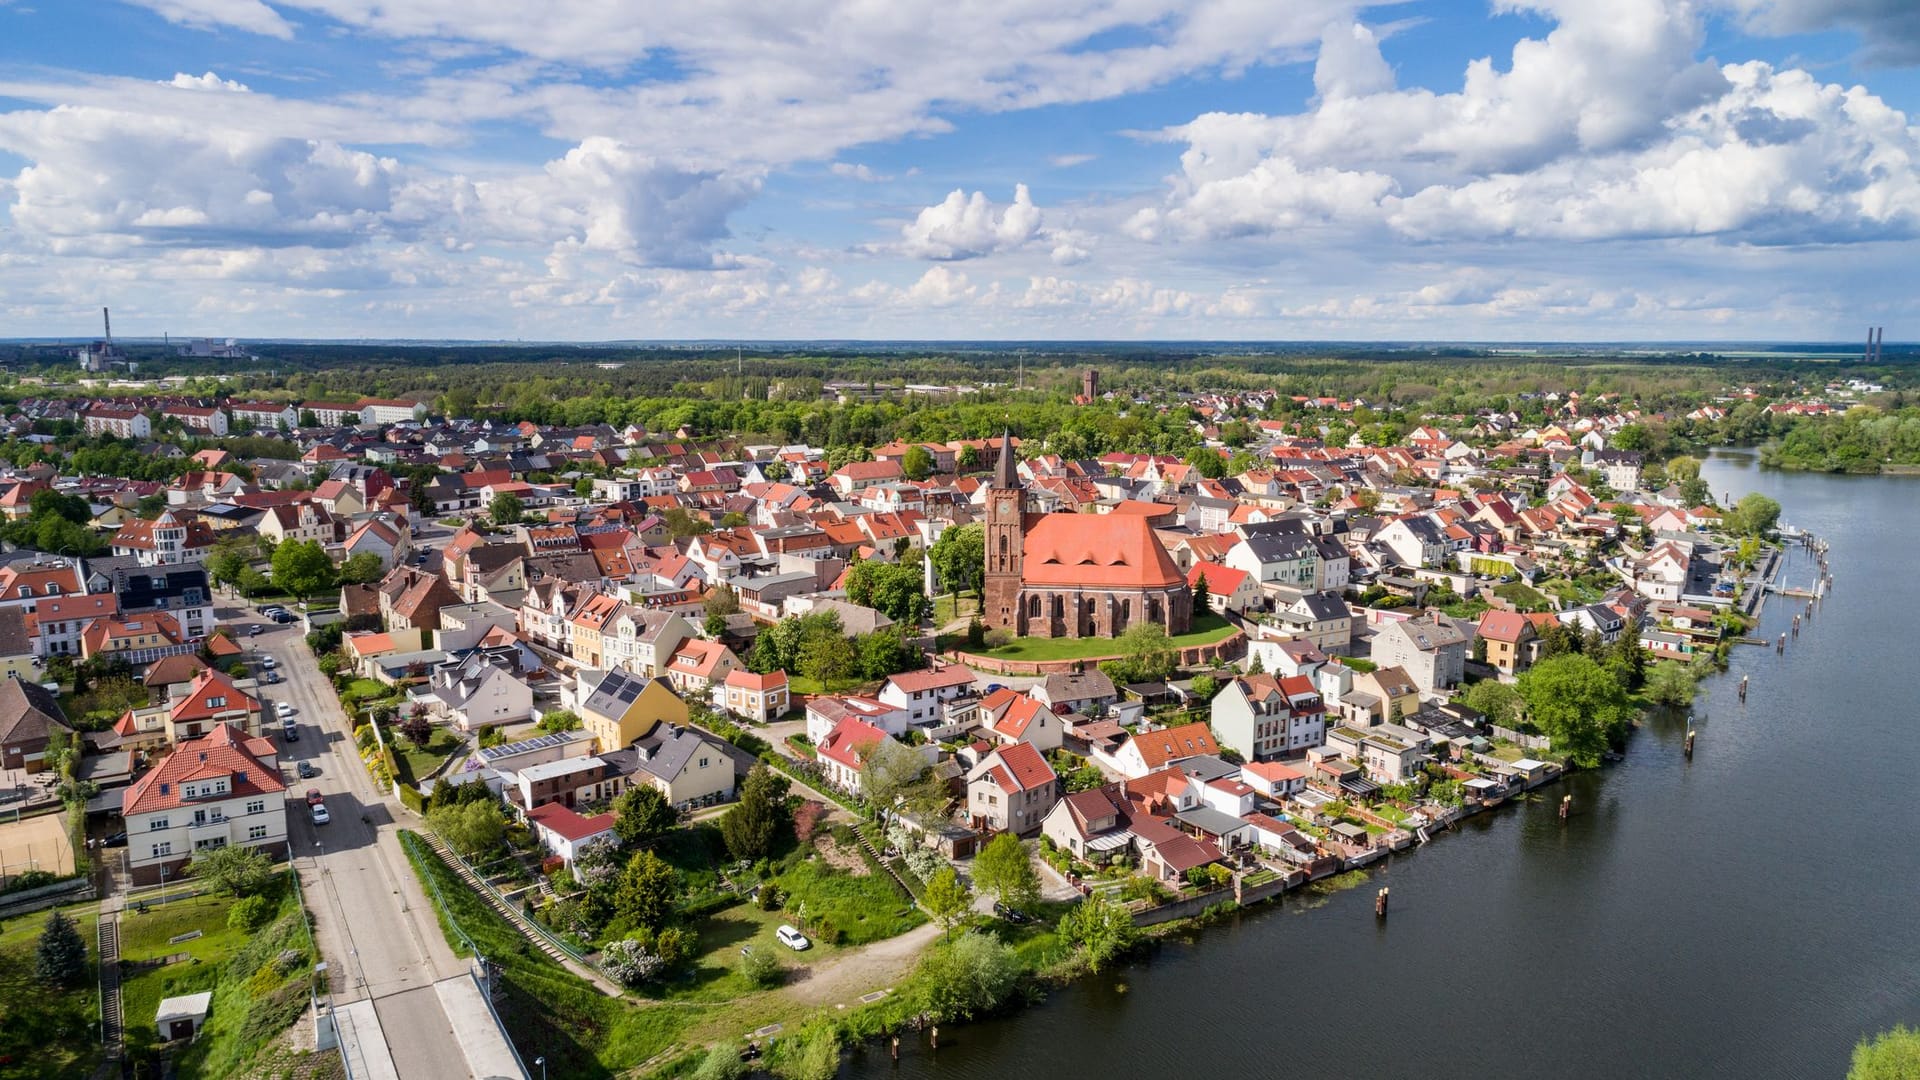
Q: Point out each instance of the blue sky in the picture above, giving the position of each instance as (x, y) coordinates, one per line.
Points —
(1231, 169)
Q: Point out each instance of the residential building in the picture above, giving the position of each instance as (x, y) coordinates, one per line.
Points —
(761, 699)
(689, 768)
(1511, 642)
(30, 715)
(699, 666)
(1431, 649)
(222, 788)
(1147, 751)
(923, 694)
(1012, 789)
(1262, 717)
(623, 707)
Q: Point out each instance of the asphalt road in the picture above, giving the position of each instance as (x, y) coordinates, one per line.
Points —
(372, 920)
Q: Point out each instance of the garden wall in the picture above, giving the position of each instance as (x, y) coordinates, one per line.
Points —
(1231, 647)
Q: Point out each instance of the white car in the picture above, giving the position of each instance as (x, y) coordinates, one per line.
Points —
(320, 815)
(269, 663)
(284, 711)
(792, 939)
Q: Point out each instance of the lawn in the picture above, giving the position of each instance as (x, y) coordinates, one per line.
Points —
(549, 1011)
(826, 902)
(1207, 629)
(45, 1032)
(715, 976)
(1524, 596)
(948, 607)
(416, 762)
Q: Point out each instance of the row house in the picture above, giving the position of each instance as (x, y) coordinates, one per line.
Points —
(206, 419)
(263, 415)
(120, 423)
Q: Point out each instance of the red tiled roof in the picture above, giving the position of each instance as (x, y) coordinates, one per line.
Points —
(223, 751)
(1110, 550)
(1023, 769)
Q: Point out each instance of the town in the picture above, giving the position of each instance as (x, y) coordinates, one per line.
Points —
(774, 731)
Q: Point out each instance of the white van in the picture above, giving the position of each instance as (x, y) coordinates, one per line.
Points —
(792, 939)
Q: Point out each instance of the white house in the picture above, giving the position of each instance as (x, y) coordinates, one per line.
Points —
(922, 694)
(566, 832)
(219, 789)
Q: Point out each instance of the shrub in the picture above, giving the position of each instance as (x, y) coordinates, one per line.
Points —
(811, 1053)
(721, 1062)
(251, 913)
(971, 976)
(760, 970)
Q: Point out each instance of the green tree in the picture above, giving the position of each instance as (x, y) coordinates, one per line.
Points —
(60, 958)
(1200, 594)
(227, 559)
(827, 656)
(970, 976)
(917, 463)
(234, 869)
(1682, 469)
(751, 827)
(947, 899)
(506, 509)
(583, 488)
(1890, 1055)
(1207, 462)
(895, 590)
(1004, 870)
(1100, 928)
(1632, 437)
(361, 569)
(470, 829)
(642, 815)
(960, 558)
(1670, 683)
(302, 568)
(559, 720)
(647, 891)
(1754, 515)
(1204, 687)
(1578, 703)
(720, 603)
(885, 652)
(888, 769)
(1146, 654)
(1500, 702)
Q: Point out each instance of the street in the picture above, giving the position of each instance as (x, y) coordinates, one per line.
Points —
(373, 922)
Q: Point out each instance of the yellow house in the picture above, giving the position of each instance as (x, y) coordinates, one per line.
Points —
(626, 707)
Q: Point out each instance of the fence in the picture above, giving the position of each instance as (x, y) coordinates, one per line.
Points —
(1523, 741)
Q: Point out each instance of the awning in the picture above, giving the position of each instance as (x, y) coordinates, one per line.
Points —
(1110, 841)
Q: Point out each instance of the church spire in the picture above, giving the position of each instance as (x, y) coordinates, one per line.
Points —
(1004, 475)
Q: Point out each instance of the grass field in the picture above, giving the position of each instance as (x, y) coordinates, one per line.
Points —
(1207, 629)
(46, 1033)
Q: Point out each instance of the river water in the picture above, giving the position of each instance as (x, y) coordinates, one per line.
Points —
(1749, 914)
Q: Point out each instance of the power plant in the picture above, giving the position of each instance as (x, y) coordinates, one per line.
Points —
(1876, 337)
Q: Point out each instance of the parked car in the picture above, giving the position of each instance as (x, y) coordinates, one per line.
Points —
(319, 813)
(283, 616)
(792, 939)
(307, 771)
(118, 839)
(283, 710)
(272, 677)
(269, 663)
(253, 630)
(292, 733)
(314, 798)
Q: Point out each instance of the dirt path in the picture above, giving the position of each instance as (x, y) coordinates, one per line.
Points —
(841, 980)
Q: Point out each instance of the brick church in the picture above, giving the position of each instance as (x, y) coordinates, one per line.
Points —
(1074, 575)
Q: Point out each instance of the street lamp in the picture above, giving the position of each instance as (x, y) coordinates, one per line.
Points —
(542, 1062)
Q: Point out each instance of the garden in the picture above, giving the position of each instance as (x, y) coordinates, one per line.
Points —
(253, 952)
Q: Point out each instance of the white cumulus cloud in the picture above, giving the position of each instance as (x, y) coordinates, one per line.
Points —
(965, 227)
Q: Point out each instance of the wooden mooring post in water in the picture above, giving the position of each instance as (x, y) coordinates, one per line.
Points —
(1566, 806)
(1689, 744)
(1796, 628)
(1743, 686)
(1781, 645)
(1380, 904)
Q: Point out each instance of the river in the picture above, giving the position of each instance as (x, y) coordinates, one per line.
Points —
(1752, 913)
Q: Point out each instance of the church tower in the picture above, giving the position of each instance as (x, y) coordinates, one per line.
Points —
(1006, 528)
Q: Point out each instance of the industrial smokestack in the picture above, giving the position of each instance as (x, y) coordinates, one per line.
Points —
(106, 317)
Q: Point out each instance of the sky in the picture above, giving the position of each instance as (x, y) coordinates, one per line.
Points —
(1569, 170)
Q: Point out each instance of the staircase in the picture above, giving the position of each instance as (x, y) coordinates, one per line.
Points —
(112, 1024)
(506, 911)
(883, 864)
